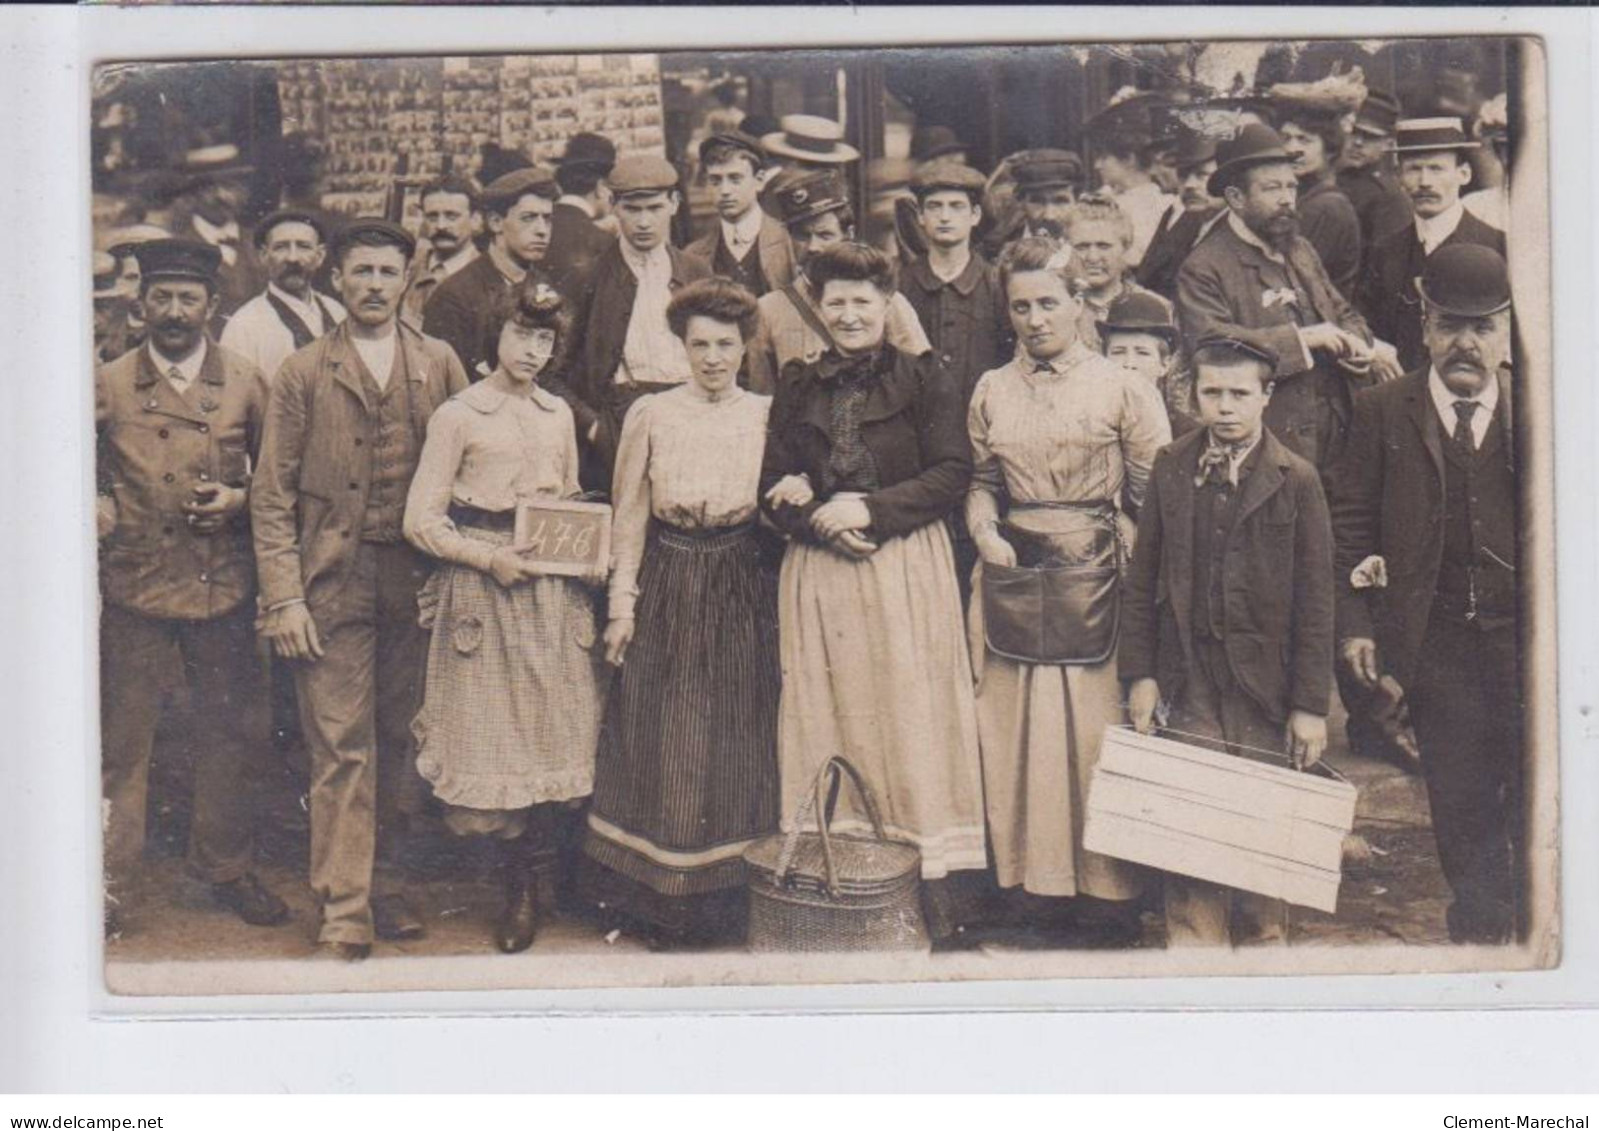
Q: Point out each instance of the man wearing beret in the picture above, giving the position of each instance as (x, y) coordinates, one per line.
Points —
(577, 239)
(290, 314)
(748, 244)
(1433, 169)
(344, 430)
(625, 349)
(178, 422)
(815, 209)
(1424, 519)
(1255, 274)
(517, 208)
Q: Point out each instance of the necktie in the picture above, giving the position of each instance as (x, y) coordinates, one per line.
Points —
(1464, 411)
(175, 375)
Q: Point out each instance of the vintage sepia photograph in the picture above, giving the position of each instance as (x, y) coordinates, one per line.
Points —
(848, 515)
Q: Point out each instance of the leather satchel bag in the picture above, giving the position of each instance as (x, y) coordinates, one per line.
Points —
(1054, 613)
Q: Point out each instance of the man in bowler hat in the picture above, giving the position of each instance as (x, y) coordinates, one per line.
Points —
(577, 238)
(178, 422)
(1424, 519)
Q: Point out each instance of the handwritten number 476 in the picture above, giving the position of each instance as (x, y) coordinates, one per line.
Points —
(558, 538)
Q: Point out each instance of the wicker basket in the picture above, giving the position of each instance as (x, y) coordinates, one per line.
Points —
(825, 892)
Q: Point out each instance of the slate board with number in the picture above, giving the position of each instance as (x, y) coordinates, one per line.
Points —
(564, 537)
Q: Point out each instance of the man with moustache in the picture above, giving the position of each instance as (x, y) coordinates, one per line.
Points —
(625, 349)
(289, 314)
(1186, 223)
(1424, 520)
(1433, 169)
(1365, 171)
(450, 220)
(1255, 274)
(177, 422)
(579, 234)
(816, 210)
(517, 209)
(339, 583)
(1047, 182)
(748, 245)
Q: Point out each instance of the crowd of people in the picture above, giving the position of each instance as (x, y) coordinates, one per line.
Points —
(1236, 418)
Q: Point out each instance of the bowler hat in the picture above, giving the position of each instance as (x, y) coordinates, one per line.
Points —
(1046, 168)
(1239, 343)
(734, 139)
(289, 216)
(1426, 135)
(1378, 114)
(1465, 279)
(177, 259)
(641, 173)
(508, 188)
(589, 149)
(1193, 148)
(934, 142)
(801, 196)
(948, 176)
(1142, 312)
(371, 228)
(806, 137)
(1254, 144)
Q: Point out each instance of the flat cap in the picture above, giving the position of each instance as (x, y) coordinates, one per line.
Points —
(289, 216)
(589, 149)
(508, 188)
(642, 173)
(1255, 143)
(1047, 168)
(177, 259)
(734, 139)
(948, 176)
(1142, 312)
(1425, 135)
(803, 195)
(1239, 345)
(368, 230)
(1465, 279)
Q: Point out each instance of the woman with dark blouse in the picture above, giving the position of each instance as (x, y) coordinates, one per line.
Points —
(866, 454)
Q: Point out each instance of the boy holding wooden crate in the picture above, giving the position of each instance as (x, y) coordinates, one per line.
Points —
(1227, 622)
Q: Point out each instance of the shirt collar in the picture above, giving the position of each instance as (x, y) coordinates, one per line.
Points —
(1443, 398)
(964, 283)
(189, 367)
(579, 203)
(1059, 365)
(463, 255)
(1244, 232)
(303, 306)
(745, 230)
(503, 263)
(1434, 230)
(639, 262)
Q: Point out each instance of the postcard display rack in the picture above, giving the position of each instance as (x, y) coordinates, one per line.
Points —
(395, 123)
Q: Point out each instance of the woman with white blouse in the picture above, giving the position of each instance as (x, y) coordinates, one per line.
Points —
(515, 684)
(686, 777)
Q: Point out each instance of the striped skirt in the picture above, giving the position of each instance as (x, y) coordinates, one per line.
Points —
(686, 776)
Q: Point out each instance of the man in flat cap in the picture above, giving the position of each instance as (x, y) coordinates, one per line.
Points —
(451, 220)
(1424, 507)
(625, 349)
(1255, 274)
(578, 235)
(289, 314)
(344, 430)
(1366, 173)
(1433, 169)
(178, 423)
(815, 208)
(1047, 182)
(1228, 617)
(1184, 225)
(517, 209)
(748, 244)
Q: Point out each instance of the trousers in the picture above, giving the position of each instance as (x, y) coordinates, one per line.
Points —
(1465, 704)
(1212, 705)
(356, 706)
(140, 659)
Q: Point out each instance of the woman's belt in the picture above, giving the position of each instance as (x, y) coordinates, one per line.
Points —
(464, 514)
(704, 538)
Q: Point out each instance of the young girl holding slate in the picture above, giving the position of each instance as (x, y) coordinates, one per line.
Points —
(515, 683)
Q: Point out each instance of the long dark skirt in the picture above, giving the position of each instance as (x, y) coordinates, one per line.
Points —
(686, 775)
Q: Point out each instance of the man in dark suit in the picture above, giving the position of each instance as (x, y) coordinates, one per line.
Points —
(1255, 273)
(1433, 169)
(1424, 519)
(460, 311)
(1185, 225)
(624, 347)
(748, 244)
(576, 237)
(1366, 174)
(1229, 610)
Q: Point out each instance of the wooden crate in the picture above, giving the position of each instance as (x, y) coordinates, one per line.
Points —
(1231, 820)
